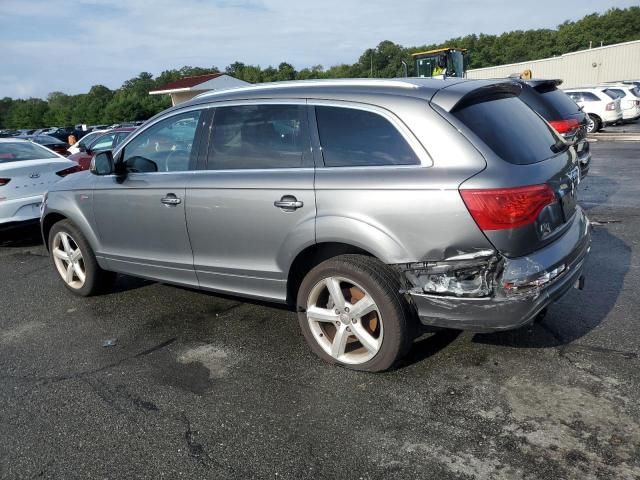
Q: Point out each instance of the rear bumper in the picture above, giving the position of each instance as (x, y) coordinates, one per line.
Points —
(503, 311)
(20, 209)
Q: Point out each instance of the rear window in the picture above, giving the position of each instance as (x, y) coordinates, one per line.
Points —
(511, 129)
(611, 93)
(562, 102)
(19, 151)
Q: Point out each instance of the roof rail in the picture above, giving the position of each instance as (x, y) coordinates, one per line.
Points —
(354, 82)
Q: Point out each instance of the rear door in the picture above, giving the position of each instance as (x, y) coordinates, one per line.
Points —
(141, 217)
(253, 207)
(522, 151)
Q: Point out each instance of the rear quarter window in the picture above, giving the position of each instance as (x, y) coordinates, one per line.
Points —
(511, 129)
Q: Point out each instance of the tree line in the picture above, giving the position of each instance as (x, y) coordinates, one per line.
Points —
(132, 101)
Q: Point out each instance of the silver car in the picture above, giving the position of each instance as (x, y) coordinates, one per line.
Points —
(372, 207)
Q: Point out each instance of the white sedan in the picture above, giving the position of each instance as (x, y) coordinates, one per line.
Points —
(27, 170)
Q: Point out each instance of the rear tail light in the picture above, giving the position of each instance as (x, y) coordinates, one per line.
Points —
(69, 171)
(505, 208)
(4, 181)
(611, 106)
(565, 126)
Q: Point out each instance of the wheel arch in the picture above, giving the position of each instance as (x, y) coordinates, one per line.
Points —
(48, 221)
(312, 256)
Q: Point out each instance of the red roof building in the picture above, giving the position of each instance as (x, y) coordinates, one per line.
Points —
(188, 87)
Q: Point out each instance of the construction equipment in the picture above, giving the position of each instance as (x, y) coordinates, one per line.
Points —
(442, 62)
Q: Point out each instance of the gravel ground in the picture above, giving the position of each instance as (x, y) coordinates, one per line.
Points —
(202, 386)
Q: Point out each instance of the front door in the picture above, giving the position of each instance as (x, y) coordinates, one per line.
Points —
(141, 217)
(253, 208)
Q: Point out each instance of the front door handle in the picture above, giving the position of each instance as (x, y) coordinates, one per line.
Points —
(171, 200)
(288, 203)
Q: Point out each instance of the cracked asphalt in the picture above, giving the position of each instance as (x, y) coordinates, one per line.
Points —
(201, 386)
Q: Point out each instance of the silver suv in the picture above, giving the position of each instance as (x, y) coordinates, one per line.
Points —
(371, 207)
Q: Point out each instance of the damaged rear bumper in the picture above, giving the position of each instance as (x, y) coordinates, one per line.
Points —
(522, 287)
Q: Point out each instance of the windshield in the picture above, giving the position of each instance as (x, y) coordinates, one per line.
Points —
(18, 151)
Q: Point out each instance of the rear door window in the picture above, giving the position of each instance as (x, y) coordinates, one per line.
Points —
(356, 138)
(511, 129)
(259, 137)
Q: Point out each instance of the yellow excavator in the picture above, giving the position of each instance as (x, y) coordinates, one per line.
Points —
(442, 62)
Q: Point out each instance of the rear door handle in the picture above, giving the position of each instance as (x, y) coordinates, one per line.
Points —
(288, 203)
(171, 200)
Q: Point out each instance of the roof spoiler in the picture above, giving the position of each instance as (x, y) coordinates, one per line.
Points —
(489, 92)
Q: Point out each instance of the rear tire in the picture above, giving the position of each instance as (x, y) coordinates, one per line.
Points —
(594, 125)
(352, 313)
(75, 261)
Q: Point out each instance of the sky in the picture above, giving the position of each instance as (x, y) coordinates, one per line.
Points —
(70, 45)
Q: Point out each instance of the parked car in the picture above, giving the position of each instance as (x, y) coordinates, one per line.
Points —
(50, 142)
(629, 96)
(562, 113)
(27, 171)
(603, 108)
(107, 141)
(369, 206)
(84, 141)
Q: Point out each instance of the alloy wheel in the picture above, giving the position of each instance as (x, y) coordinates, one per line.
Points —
(345, 320)
(68, 259)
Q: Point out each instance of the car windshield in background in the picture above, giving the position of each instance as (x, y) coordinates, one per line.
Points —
(511, 129)
(635, 91)
(611, 93)
(46, 140)
(19, 151)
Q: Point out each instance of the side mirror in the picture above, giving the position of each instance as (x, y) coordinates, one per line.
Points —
(102, 163)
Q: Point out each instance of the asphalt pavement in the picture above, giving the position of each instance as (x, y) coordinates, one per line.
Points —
(154, 381)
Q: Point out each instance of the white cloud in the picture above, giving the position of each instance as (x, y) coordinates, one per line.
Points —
(109, 41)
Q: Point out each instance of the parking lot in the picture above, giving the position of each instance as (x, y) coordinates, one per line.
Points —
(154, 381)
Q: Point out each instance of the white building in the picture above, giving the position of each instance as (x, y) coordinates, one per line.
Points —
(188, 87)
(585, 67)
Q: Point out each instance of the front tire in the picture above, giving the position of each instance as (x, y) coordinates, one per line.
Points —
(75, 261)
(352, 313)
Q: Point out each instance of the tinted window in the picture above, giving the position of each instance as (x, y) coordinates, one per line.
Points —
(636, 91)
(561, 101)
(511, 129)
(548, 101)
(590, 97)
(17, 151)
(164, 147)
(610, 93)
(351, 138)
(259, 136)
